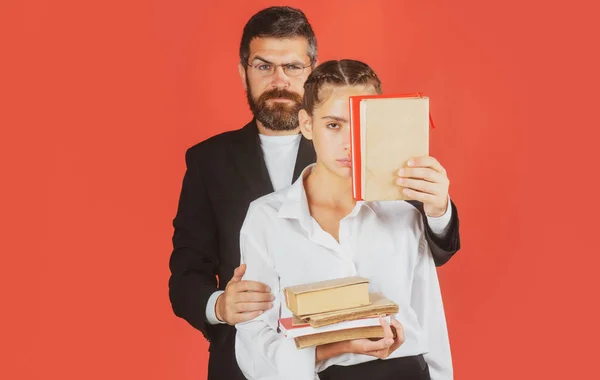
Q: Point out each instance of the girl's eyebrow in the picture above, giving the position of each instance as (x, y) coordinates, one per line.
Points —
(336, 118)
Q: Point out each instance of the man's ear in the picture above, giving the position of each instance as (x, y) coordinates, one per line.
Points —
(305, 121)
(242, 72)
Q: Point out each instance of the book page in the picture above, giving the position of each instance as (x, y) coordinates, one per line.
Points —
(363, 142)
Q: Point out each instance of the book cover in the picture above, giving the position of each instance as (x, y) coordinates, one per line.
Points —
(330, 295)
(386, 131)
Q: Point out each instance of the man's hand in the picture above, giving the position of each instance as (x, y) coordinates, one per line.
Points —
(426, 180)
(243, 300)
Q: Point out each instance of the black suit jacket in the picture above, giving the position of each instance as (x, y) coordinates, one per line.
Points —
(224, 174)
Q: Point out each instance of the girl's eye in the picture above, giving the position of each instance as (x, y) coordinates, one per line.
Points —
(333, 126)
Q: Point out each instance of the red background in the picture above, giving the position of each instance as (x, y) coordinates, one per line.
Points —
(100, 99)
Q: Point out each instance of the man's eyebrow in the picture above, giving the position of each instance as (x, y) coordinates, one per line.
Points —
(262, 59)
(296, 62)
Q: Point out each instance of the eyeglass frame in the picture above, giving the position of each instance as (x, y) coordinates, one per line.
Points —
(284, 67)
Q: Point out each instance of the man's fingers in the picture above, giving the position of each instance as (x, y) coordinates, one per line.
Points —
(250, 286)
(253, 297)
(245, 317)
(252, 306)
(238, 273)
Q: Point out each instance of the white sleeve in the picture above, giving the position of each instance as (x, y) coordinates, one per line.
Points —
(211, 315)
(439, 225)
(426, 301)
(262, 352)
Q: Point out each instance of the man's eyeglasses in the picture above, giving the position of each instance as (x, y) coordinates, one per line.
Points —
(267, 69)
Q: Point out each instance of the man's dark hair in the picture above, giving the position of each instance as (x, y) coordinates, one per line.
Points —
(278, 22)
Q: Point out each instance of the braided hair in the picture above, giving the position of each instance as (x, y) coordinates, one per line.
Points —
(345, 72)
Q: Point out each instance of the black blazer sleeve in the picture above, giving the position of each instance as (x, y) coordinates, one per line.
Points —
(194, 259)
(442, 248)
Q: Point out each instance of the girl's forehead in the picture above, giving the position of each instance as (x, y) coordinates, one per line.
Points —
(337, 96)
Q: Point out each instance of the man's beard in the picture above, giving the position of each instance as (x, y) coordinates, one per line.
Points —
(276, 116)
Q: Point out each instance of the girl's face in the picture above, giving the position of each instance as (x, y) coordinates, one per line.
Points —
(329, 127)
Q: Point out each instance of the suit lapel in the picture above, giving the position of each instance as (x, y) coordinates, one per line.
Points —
(306, 156)
(250, 161)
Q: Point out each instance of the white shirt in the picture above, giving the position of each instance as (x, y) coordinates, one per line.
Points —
(280, 154)
(283, 246)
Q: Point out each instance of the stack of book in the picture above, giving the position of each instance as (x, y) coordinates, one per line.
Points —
(334, 311)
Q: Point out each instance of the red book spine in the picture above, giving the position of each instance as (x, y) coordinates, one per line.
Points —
(289, 325)
(355, 147)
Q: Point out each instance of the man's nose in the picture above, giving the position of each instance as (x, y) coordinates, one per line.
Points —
(280, 80)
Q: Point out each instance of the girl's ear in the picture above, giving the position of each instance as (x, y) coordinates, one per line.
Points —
(305, 124)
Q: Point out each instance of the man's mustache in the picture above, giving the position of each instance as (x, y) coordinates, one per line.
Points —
(279, 94)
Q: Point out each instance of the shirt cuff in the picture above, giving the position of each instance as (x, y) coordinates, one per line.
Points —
(439, 224)
(211, 315)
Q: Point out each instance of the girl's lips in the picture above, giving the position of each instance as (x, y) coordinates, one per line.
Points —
(345, 162)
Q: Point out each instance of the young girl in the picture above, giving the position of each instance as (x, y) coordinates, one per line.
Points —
(314, 230)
